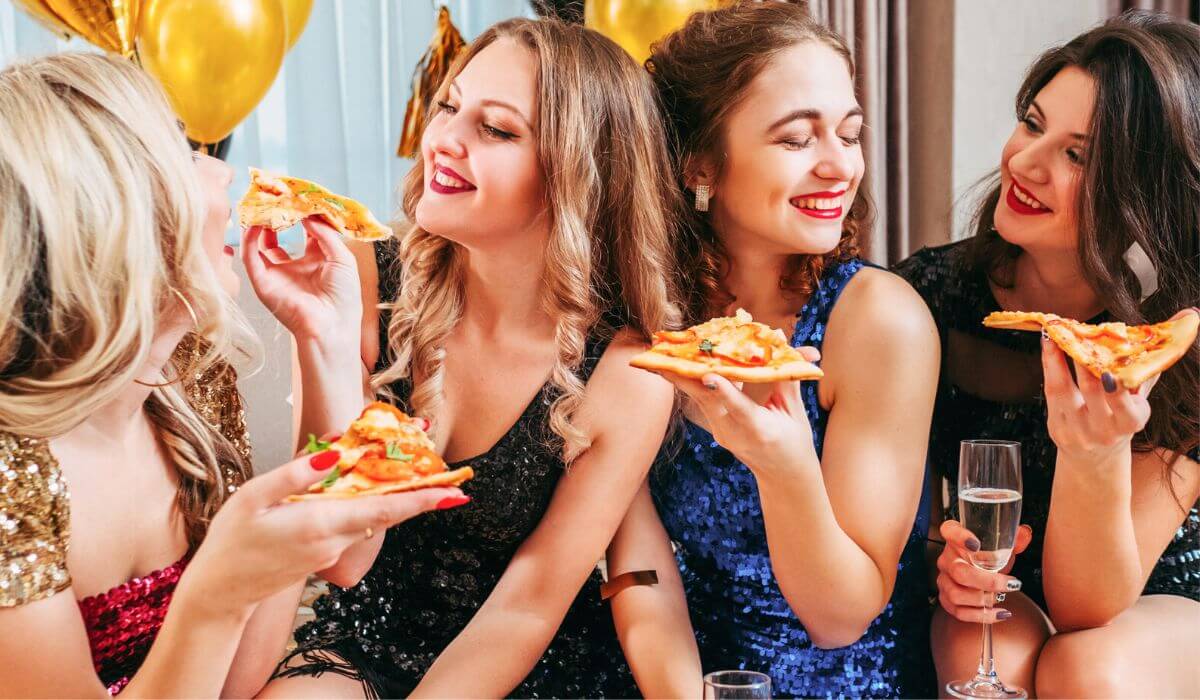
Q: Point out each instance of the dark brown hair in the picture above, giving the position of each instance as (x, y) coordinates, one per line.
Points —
(1140, 184)
(703, 72)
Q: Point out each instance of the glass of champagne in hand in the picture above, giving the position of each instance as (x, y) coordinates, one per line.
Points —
(989, 504)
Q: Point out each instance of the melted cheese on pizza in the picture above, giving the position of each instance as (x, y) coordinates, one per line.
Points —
(734, 339)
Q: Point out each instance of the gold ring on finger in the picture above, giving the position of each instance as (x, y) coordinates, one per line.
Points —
(370, 533)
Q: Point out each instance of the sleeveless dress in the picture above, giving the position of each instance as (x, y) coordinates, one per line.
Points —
(435, 571)
(35, 518)
(991, 388)
(709, 504)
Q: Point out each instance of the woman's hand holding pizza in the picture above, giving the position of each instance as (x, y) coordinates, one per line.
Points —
(281, 543)
(767, 436)
(1090, 419)
(313, 294)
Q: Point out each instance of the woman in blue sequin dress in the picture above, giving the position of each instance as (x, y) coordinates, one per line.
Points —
(1100, 227)
(796, 509)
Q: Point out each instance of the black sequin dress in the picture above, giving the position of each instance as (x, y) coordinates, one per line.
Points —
(434, 572)
(991, 389)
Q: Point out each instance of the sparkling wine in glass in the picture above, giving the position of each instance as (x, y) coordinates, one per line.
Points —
(737, 685)
(989, 503)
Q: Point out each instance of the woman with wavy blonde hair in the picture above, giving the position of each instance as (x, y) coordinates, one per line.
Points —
(127, 562)
(536, 264)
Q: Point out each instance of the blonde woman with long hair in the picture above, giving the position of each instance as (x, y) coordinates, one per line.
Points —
(136, 554)
(536, 265)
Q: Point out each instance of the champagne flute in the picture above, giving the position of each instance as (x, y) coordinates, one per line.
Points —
(989, 503)
(737, 685)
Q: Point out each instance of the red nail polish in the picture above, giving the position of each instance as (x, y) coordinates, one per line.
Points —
(324, 460)
(453, 502)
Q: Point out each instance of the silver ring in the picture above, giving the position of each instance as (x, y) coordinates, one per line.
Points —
(1000, 597)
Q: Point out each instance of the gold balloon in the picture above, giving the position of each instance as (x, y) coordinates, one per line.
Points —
(297, 12)
(40, 11)
(635, 24)
(109, 24)
(215, 58)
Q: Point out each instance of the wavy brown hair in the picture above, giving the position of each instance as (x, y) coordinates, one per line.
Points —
(1140, 184)
(613, 210)
(703, 71)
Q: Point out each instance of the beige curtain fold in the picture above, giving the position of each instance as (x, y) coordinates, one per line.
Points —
(1183, 9)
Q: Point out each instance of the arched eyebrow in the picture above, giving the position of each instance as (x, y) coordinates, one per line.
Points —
(806, 114)
(1042, 114)
(498, 103)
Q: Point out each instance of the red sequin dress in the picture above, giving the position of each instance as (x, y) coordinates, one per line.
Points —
(123, 622)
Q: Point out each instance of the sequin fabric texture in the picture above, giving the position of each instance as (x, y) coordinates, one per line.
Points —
(435, 571)
(959, 300)
(709, 504)
(123, 622)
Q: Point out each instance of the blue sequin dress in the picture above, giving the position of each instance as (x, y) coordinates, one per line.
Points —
(709, 504)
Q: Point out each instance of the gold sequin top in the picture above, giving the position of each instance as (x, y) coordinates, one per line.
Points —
(35, 501)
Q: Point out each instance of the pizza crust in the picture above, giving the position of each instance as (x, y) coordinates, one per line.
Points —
(280, 202)
(1181, 333)
(788, 371)
(451, 478)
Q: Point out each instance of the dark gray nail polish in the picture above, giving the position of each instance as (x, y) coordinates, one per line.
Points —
(1003, 614)
(1045, 335)
(973, 544)
(1109, 382)
(710, 386)
(1013, 584)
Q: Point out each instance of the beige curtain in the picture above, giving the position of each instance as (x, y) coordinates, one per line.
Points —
(876, 32)
(1183, 9)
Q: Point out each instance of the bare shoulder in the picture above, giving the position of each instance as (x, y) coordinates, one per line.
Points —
(880, 308)
(621, 394)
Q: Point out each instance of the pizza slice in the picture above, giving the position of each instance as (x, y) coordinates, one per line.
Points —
(383, 451)
(736, 347)
(278, 202)
(1131, 354)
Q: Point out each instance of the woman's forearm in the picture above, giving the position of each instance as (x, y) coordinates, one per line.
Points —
(657, 637)
(830, 582)
(1091, 566)
(333, 385)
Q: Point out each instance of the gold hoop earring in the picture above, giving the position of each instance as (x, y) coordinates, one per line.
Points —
(187, 305)
(702, 197)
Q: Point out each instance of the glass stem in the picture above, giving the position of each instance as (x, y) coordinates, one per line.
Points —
(987, 663)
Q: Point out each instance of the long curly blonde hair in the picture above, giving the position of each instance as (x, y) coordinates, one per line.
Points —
(100, 234)
(613, 209)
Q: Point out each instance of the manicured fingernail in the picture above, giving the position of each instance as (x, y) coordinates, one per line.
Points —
(711, 386)
(1045, 335)
(422, 423)
(973, 544)
(1003, 614)
(324, 460)
(1013, 584)
(1109, 382)
(453, 502)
